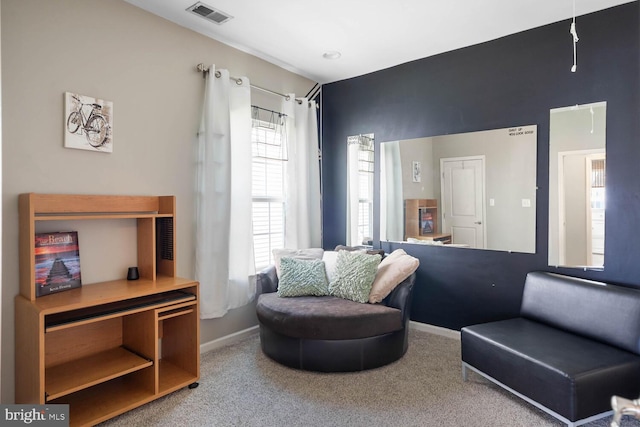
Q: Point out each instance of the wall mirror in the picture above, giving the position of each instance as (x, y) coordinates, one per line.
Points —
(360, 162)
(473, 190)
(577, 159)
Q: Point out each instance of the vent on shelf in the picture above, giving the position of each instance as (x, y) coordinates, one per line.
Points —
(210, 13)
(164, 227)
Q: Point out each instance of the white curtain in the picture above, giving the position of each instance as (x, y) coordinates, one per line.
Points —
(303, 212)
(224, 237)
(391, 202)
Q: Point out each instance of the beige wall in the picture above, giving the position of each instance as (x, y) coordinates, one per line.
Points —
(146, 66)
(420, 150)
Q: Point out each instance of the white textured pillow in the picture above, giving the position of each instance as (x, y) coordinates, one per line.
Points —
(355, 273)
(330, 259)
(393, 269)
(301, 277)
(311, 253)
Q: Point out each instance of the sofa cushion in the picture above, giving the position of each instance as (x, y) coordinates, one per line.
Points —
(310, 253)
(300, 277)
(326, 318)
(354, 276)
(569, 374)
(600, 311)
(330, 259)
(392, 270)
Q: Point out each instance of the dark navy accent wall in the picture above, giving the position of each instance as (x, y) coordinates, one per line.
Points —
(507, 82)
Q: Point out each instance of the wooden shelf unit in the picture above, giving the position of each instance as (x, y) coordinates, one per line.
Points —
(106, 348)
(412, 220)
(113, 363)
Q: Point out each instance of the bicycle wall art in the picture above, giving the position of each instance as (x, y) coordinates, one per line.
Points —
(88, 123)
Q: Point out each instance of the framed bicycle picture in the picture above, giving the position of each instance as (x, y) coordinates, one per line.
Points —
(88, 123)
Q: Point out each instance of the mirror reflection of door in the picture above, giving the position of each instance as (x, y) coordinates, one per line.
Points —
(577, 153)
(462, 186)
(581, 206)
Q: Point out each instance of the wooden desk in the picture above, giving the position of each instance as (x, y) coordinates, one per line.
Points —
(436, 237)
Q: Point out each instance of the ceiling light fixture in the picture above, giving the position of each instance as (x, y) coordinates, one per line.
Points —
(332, 54)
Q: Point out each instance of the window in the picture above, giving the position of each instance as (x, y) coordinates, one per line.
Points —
(598, 178)
(365, 192)
(268, 175)
(360, 154)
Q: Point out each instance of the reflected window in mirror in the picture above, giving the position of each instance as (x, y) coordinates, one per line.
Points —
(360, 172)
(577, 185)
(475, 190)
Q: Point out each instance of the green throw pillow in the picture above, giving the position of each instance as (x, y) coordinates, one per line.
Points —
(300, 277)
(354, 275)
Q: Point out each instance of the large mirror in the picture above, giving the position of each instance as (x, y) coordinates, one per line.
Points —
(577, 159)
(360, 163)
(472, 190)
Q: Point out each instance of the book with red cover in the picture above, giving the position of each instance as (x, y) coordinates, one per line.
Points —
(57, 262)
(426, 222)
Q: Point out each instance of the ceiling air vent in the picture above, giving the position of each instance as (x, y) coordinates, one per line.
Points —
(208, 12)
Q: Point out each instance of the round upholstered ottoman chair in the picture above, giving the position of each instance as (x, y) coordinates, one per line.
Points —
(331, 334)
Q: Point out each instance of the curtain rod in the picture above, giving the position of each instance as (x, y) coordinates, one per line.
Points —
(269, 111)
(204, 70)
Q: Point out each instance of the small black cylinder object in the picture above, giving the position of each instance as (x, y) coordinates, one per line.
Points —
(133, 274)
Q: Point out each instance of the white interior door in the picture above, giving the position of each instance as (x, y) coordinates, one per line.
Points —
(462, 186)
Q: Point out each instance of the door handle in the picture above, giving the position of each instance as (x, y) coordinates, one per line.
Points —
(478, 222)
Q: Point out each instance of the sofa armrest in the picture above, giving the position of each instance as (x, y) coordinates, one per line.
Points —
(401, 296)
(267, 281)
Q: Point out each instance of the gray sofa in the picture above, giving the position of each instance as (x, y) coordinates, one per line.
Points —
(330, 334)
(574, 346)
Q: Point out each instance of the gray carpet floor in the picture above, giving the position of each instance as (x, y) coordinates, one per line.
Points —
(240, 386)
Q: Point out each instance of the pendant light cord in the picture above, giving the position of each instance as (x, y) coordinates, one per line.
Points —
(574, 33)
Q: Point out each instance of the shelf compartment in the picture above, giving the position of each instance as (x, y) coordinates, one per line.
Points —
(78, 317)
(179, 362)
(80, 374)
(174, 313)
(78, 204)
(123, 215)
(99, 403)
(175, 310)
(172, 377)
(35, 208)
(95, 294)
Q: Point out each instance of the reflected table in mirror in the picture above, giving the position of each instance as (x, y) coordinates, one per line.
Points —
(443, 238)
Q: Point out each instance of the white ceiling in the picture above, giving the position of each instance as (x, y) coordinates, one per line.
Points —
(370, 34)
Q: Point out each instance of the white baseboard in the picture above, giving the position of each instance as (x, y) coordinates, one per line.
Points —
(436, 330)
(228, 339)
